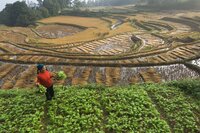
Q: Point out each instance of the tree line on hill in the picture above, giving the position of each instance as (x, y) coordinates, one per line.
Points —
(154, 4)
(21, 14)
(110, 2)
(171, 4)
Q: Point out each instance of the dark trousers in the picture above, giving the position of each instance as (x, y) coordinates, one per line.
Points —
(49, 93)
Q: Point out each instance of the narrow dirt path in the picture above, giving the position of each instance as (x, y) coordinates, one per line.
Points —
(45, 118)
(105, 113)
(160, 110)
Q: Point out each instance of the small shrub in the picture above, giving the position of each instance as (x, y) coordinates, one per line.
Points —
(191, 87)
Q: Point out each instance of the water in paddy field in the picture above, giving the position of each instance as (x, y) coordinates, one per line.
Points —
(196, 62)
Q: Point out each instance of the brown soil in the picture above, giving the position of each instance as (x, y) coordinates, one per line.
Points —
(57, 31)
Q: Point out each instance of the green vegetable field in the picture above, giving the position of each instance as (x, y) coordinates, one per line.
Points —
(144, 108)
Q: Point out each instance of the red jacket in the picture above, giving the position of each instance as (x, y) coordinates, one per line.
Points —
(45, 79)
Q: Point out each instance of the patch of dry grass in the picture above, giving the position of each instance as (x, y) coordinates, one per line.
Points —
(96, 29)
(81, 21)
(3, 27)
(193, 35)
(113, 21)
(126, 27)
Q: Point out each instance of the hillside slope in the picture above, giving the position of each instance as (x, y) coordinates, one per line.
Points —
(169, 107)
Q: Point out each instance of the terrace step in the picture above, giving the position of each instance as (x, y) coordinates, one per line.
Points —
(6, 70)
(168, 58)
(83, 79)
(24, 77)
(150, 76)
(99, 77)
(163, 58)
(159, 59)
(175, 53)
(134, 79)
(187, 50)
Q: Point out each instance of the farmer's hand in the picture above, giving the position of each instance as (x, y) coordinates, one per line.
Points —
(37, 84)
(53, 74)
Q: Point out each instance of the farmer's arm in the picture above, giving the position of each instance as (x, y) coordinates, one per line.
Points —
(37, 81)
(52, 74)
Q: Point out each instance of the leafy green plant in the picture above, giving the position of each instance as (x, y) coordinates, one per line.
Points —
(20, 112)
(82, 113)
(61, 75)
(130, 109)
(190, 87)
(42, 89)
(175, 107)
(141, 108)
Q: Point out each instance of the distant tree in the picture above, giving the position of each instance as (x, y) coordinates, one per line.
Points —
(44, 12)
(174, 4)
(5, 15)
(64, 3)
(53, 6)
(110, 2)
(90, 3)
(40, 3)
(77, 4)
(17, 14)
(40, 12)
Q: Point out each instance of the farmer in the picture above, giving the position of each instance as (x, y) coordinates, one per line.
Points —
(44, 78)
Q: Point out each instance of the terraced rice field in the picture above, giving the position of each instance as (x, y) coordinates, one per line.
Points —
(56, 31)
(141, 49)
